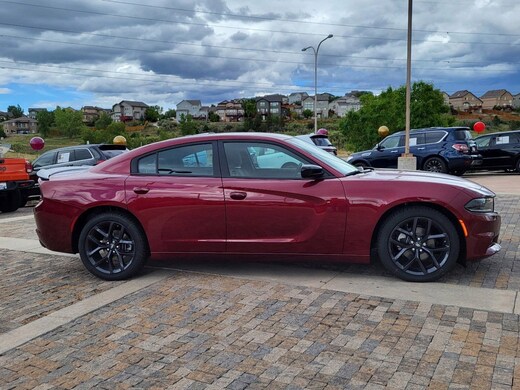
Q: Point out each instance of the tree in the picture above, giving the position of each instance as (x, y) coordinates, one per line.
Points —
(45, 121)
(427, 109)
(213, 117)
(250, 115)
(103, 121)
(152, 114)
(307, 113)
(16, 111)
(68, 121)
(171, 113)
(188, 125)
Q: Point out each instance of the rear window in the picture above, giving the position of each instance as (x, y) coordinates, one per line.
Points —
(112, 153)
(321, 141)
(461, 135)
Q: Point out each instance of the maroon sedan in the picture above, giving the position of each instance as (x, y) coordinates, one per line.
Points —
(266, 195)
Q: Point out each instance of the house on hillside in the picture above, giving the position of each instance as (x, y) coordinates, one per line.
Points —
(92, 113)
(322, 110)
(465, 101)
(516, 101)
(497, 98)
(22, 125)
(34, 111)
(128, 110)
(4, 115)
(297, 97)
(194, 108)
(269, 105)
(229, 111)
(344, 104)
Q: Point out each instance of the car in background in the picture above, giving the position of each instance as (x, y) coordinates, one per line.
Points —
(260, 195)
(90, 154)
(321, 140)
(500, 150)
(437, 149)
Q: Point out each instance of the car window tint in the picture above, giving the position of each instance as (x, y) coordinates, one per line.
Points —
(461, 135)
(483, 142)
(415, 139)
(82, 154)
(112, 153)
(321, 141)
(44, 159)
(194, 160)
(390, 142)
(262, 161)
(432, 137)
(147, 164)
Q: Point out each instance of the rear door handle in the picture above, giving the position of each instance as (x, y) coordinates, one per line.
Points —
(421, 148)
(141, 190)
(238, 195)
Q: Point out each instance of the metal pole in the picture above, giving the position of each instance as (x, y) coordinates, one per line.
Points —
(316, 79)
(408, 80)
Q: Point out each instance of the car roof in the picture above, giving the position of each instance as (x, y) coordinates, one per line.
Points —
(431, 129)
(498, 132)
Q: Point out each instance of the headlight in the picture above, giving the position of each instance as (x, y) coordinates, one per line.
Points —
(481, 205)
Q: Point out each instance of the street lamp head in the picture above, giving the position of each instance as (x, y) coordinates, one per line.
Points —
(330, 36)
(305, 48)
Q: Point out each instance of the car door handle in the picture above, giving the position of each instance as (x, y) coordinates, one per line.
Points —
(421, 148)
(238, 195)
(394, 151)
(141, 190)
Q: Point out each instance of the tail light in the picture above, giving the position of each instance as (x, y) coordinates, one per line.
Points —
(463, 148)
(28, 167)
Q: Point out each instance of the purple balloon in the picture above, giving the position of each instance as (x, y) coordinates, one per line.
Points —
(37, 143)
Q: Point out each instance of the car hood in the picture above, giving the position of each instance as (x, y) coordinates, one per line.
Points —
(396, 177)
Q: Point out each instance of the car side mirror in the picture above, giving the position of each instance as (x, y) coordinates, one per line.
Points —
(379, 147)
(311, 171)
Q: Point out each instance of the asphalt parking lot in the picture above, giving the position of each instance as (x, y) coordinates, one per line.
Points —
(292, 326)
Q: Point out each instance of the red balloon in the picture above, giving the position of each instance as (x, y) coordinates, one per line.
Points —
(37, 143)
(479, 127)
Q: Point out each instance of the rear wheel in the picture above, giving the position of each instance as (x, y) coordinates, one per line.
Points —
(435, 164)
(518, 165)
(112, 246)
(418, 244)
(10, 202)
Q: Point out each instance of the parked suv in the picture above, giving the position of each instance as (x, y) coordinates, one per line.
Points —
(500, 150)
(320, 140)
(437, 149)
(90, 154)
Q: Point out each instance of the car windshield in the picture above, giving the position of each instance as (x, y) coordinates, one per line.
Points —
(328, 158)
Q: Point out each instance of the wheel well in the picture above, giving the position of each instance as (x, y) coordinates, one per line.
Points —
(447, 213)
(83, 219)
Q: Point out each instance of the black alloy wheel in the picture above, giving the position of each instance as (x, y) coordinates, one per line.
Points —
(418, 244)
(112, 246)
(435, 164)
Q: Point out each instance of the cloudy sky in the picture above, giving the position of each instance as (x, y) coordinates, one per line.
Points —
(99, 52)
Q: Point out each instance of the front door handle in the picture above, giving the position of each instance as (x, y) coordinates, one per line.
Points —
(141, 190)
(238, 195)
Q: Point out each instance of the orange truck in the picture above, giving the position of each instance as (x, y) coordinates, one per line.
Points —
(15, 185)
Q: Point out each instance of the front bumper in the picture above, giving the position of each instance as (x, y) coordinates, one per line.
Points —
(483, 235)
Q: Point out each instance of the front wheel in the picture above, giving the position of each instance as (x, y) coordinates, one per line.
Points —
(435, 164)
(418, 244)
(112, 246)
(518, 165)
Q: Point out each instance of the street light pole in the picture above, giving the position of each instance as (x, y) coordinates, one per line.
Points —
(316, 79)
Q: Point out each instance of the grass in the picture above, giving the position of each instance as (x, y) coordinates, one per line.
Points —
(21, 147)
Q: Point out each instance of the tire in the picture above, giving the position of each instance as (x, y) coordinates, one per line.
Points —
(406, 251)
(112, 246)
(518, 165)
(435, 164)
(10, 202)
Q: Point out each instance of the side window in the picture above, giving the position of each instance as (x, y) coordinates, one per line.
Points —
(82, 154)
(415, 139)
(483, 142)
(64, 157)
(432, 137)
(45, 159)
(502, 140)
(390, 142)
(262, 161)
(189, 160)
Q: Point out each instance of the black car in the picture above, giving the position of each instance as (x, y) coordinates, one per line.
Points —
(437, 149)
(500, 150)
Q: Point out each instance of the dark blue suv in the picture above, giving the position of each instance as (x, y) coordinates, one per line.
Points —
(437, 149)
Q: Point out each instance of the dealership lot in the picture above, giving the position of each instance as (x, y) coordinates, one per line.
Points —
(233, 325)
